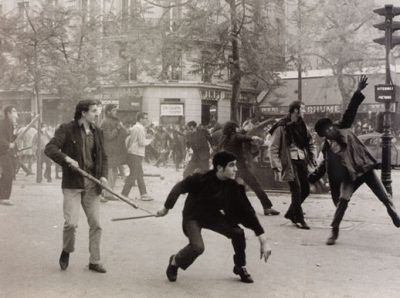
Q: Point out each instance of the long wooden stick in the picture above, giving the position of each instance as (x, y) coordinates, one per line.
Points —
(105, 187)
(132, 217)
(22, 133)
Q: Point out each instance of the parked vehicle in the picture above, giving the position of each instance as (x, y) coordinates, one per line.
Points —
(373, 141)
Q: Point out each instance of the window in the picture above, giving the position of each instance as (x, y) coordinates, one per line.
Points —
(206, 71)
(22, 7)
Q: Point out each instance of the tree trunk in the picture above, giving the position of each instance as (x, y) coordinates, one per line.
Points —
(236, 75)
(36, 88)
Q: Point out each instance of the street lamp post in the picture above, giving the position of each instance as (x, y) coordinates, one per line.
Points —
(386, 93)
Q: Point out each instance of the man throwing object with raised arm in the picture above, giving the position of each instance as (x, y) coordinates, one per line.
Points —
(348, 163)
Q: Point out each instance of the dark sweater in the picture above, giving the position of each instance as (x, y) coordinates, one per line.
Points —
(208, 196)
(6, 136)
(68, 141)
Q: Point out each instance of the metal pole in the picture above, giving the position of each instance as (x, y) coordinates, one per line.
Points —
(386, 174)
(299, 49)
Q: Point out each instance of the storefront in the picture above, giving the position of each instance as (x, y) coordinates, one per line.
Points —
(172, 111)
(127, 99)
(322, 99)
(209, 105)
(172, 103)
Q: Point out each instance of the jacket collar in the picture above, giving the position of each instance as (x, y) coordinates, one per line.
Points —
(80, 124)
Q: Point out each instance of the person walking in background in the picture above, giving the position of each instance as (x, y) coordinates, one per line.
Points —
(44, 139)
(115, 134)
(198, 140)
(233, 141)
(165, 140)
(79, 144)
(7, 157)
(291, 150)
(136, 144)
(176, 147)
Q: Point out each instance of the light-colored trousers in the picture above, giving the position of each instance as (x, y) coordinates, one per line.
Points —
(90, 202)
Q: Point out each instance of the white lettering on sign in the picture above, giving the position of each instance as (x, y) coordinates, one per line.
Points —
(385, 97)
(171, 109)
(323, 109)
(110, 101)
(384, 88)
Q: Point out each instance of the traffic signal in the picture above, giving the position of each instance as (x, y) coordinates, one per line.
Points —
(389, 26)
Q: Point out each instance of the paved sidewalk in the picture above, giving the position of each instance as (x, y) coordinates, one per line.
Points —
(364, 263)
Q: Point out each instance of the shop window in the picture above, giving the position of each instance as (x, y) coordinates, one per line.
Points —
(208, 113)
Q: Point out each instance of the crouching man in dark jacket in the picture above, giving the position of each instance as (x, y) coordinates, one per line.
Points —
(80, 144)
(348, 163)
(215, 202)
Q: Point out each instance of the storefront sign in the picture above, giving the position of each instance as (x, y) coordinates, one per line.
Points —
(171, 109)
(210, 94)
(325, 109)
(110, 101)
(384, 93)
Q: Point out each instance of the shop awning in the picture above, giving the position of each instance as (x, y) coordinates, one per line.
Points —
(320, 94)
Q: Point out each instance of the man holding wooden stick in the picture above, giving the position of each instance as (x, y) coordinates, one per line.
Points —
(79, 144)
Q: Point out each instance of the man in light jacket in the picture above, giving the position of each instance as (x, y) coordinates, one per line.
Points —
(292, 149)
(136, 144)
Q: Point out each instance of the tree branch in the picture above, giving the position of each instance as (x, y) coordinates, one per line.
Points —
(168, 6)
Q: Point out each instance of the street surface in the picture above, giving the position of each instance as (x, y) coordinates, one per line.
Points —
(364, 263)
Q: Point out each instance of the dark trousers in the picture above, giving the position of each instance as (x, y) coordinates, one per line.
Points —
(177, 156)
(252, 182)
(7, 168)
(135, 173)
(150, 153)
(300, 189)
(348, 187)
(192, 228)
(196, 164)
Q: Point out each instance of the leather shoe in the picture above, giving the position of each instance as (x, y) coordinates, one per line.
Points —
(302, 225)
(271, 211)
(287, 216)
(6, 203)
(244, 275)
(334, 236)
(172, 270)
(97, 268)
(393, 214)
(64, 260)
(146, 197)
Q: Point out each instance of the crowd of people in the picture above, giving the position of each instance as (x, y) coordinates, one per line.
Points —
(217, 198)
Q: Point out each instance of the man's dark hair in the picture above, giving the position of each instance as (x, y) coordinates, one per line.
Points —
(140, 116)
(83, 106)
(222, 158)
(295, 105)
(229, 128)
(321, 125)
(7, 110)
(192, 124)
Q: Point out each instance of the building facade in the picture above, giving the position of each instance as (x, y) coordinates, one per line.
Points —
(179, 85)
